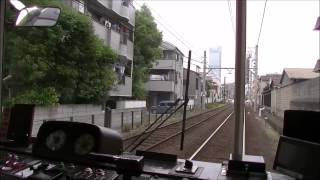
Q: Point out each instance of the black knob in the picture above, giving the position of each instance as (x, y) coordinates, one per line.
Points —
(188, 164)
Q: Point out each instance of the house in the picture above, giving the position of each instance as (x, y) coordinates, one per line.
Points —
(166, 76)
(299, 90)
(271, 83)
(294, 75)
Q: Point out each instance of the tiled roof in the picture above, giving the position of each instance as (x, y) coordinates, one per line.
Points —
(300, 73)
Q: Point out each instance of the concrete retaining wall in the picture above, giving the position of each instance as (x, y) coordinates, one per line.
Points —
(303, 95)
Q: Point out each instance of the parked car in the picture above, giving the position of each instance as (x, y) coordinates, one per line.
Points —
(163, 106)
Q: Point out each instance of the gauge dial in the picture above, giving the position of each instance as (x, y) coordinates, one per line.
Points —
(84, 144)
(56, 140)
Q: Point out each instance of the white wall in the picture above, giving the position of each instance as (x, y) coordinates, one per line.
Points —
(131, 104)
(283, 98)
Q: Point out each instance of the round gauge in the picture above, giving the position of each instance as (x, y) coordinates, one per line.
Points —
(84, 144)
(56, 140)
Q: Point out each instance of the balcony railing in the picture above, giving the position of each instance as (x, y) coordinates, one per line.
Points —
(123, 89)
(131, 15)
(162, 86)
(100, 31)
(105, 3)
(115, 41)
(165, 64)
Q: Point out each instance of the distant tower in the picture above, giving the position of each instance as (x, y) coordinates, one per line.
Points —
(215, 62)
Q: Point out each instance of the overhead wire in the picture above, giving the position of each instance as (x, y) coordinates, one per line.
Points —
(175, 35)
(231, 17)
(192, 47)
(264, 10)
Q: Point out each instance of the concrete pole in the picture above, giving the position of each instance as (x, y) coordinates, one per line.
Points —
(204, 81)
(256, 77)
(186, 100)
(240, 59)
(224, 89)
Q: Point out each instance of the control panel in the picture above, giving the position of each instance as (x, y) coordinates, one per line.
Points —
(18, 166)
(78, 151)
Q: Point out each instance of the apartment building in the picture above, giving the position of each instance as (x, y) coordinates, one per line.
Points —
(113, 22)
(166, 76)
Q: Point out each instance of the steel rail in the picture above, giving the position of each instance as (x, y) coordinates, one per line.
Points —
(176, 122)
(209, 138)
(188, 128)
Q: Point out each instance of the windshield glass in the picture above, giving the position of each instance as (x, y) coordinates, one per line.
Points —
(112, 63)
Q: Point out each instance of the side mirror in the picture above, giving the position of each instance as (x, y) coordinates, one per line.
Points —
(38, 16)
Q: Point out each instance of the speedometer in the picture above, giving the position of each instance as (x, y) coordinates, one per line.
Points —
(84, 144)
(56, 140)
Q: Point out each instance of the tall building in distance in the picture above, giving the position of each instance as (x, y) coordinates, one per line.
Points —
(215, 62)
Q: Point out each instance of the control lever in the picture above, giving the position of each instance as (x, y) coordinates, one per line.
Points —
(188, 167)
(128, 165)
(188, 164)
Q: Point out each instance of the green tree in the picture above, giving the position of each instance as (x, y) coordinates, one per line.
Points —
(66, 63)
(146, 49)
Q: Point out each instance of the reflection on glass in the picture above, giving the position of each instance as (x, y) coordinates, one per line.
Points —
(35, 16)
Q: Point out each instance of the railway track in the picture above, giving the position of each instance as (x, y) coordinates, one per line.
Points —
(209, 149)
(165, 133)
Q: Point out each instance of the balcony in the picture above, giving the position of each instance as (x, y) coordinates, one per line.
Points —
(115, 41)
(123, 89)
(165, 64)
(123, 50)
(119, 8)
(131, 15)
(162, 86)
(105, 3)
(126, 50)
(130, 50)
(124, 11)
(100, 31)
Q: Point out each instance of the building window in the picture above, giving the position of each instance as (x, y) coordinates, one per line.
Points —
(78, 5)
(159, 77)
(127, 70)
(169, 55)
(120, 70)
(124, 35)
(197, 83)
(125, 3)
(130, 35)
(176, 78)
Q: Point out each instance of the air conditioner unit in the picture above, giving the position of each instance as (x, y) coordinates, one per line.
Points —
(107, 24)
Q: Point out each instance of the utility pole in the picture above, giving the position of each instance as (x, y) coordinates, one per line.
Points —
(224, 89)
(204, 81)
(240, 57)
(186, 100)
(256, 79)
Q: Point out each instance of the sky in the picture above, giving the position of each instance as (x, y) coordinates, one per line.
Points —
(287, 37)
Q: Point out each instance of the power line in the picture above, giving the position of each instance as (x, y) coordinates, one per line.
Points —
(193, 59)
(169, 31)
(231, 17)
(170, 26)
(264, 10)
(193, 64)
